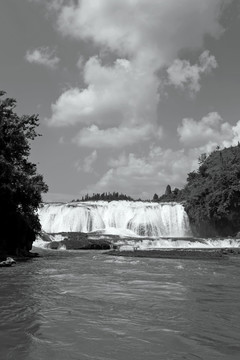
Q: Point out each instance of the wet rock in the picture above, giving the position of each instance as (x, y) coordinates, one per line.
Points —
(8, 262)
(80, 241)
(233, 251)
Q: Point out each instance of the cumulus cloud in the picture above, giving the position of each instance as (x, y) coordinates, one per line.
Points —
(117, 104)
(80, 62)
(210, 131)
(183, 75)
(42, 56)
(116, 137)
(116, 94)
(125, 93)
(88, 162)
(146, 31)
(142, 176)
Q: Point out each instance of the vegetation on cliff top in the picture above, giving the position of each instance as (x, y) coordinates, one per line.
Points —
(20, 184)
(106, 196)
(211, 196)
(212, 193)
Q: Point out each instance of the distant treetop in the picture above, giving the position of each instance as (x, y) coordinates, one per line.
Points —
(106, 196)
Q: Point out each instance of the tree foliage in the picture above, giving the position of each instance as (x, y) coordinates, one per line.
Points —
(213, 193)
(20, 184)
(106, 196)
(175, 195)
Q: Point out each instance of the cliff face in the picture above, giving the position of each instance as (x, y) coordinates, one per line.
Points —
(212, 194)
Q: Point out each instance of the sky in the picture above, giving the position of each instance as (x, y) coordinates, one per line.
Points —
(129, 92)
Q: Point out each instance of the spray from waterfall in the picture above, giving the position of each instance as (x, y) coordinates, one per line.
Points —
(116, 217)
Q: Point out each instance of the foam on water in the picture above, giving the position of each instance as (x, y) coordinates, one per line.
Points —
(39, 243)
(129, 225)
(137, 243)
(124, 218)
(151, 244)
(121, 232)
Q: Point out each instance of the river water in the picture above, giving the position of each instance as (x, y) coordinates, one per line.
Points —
(86, 305)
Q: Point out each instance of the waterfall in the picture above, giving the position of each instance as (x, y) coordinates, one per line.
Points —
(116, 217)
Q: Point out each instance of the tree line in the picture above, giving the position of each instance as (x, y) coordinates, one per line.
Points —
(105, 196)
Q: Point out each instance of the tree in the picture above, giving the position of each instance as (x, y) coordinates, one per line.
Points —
(202, 158)
(212, 194)
(20, 184)
(168, 190)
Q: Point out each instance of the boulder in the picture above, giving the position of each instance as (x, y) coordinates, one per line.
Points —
(80, 241)
(8, 262)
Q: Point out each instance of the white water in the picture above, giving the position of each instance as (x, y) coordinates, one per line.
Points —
(129, 225)
(138, 243)
(154, 244)
(124, 218)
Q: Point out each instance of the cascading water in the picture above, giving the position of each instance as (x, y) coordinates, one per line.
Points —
(122, 217)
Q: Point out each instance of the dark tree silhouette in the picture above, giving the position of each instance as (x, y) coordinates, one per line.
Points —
(115, 196)
(212, 193)
(20, 184)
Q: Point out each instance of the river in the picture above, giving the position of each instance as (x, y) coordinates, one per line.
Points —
(87, 305)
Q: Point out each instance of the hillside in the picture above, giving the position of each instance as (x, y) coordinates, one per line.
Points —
(212, 194)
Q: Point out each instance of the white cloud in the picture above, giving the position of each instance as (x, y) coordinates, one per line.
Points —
(43, 56)
(142, 176)
(80, 62)
(115, 94)
(184, 75)
(145, 175)
(116, 137)
(145, 36)
(209, 132)
(88, 163)
(116, 106)
(236, 134)
(141, 28)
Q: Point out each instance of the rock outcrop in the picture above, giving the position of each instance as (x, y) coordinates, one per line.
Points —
(77, 241)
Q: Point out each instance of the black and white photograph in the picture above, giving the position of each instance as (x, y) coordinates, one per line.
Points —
(119, 179)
